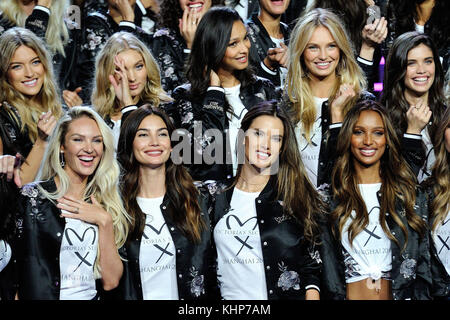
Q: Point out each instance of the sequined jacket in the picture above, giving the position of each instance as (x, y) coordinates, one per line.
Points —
(209, 112)
(194, 265)
(411, 273)
(290, 262)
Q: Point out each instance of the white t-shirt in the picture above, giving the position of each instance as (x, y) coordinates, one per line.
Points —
(240, 269)
(5, 254)
(239, 111)
(310, 151)
(116, 132)
(157, 259)
(425, 172)
(441, 237)
(76, 260)
(370, 253)
(283, 70)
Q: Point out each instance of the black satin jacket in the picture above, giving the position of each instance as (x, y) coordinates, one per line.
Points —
(411, 274)
(209, 112)
(261, 42)
(38, 244)
(194, 267)
(288, 258)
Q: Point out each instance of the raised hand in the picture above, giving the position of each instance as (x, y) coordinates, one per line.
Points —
(120, 84)
(375, 33)
(82, 210)
(417, 117)
(46, 124)
(345, 93)
(71, 98)
(277, 57)
(124, 7)
(188, 25)
(10, 166)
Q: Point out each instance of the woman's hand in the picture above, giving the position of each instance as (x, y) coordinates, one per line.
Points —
(120, 83)
(345, 93)
(45, 3)
(188, 25)
(88, 212)
(71, 98)
(373, 34)
(10, 166)
(125, 9)
(417, 117)
(214, 80)
(277, 57)
(46, 125)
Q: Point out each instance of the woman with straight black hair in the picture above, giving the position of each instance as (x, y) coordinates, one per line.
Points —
(414, 96)
(221, 89)
(168, 252)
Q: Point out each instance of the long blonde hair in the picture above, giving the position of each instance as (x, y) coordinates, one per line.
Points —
(103, 184)
(297, 79)
(47, 98)
(57, 33)
(103, 96)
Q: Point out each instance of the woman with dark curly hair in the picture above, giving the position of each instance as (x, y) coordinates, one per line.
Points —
(221, 89)
(171, 43)
(375, 243)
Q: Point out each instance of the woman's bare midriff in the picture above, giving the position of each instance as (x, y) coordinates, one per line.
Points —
(367, 289)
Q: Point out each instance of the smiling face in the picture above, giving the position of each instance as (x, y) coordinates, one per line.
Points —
(26, 71)
(136, 71)
(236, 55)
(82, 147)
(263, 141)
(200, 6)
(151, 145)
(420, 71)
(273, 7)
(321, 55)
(368, 141)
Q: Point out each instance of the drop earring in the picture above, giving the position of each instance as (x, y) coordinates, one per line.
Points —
(61, 159)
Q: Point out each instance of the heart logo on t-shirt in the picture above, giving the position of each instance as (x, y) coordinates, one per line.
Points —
(82, 242)
(241, 224)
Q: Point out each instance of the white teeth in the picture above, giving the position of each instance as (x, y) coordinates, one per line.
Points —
(323, 63)
(30, 83)
(422, 79)
(154, 152)
(86, 158)
(197, 5)
(368, 152)
(262, 154)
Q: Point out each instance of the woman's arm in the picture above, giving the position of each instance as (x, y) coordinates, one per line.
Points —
(109, 260)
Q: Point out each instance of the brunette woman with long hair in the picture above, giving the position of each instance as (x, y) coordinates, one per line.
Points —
(222, 87)
(168, 251)
(414, 95)
(375, 245)
(438, 189)
(265, 219)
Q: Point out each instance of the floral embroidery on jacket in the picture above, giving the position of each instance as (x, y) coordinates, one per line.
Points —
(197, 283)
(288, 279)
(408, 268)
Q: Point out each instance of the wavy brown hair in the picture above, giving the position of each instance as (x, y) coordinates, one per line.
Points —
(301, 200)
(398, 181)
(440, 178)
(182, 194)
